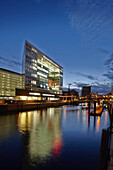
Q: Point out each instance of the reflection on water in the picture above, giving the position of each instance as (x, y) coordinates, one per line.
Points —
(106, 117)
(54, 138)
(65, 112)
(25, 121)
(45, 136)
(7, 126)
(98, 124)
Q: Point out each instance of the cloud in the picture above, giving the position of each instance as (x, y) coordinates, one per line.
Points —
(91, 18)
(101, 88)
(102, 50)
(109, 75)
(80, 84)
(109, 61)
(10, 63)
(90, 77)
(109, 66)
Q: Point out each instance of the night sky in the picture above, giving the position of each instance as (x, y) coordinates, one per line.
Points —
(77, 34)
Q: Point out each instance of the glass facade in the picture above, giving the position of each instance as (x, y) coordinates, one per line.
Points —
(9, 81)
(40, 71)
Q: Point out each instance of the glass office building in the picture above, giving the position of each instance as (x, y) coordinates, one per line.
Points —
(9, 81)
(41, 71)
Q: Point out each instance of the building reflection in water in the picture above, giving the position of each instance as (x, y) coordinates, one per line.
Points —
(7, 126)
(84, 120)
(78, 114)
(25, 121)
(82, 117)
(64, 112)
(106, 117)
(45, 137)
(42, 130)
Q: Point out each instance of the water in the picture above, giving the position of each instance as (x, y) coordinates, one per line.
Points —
(52, 138)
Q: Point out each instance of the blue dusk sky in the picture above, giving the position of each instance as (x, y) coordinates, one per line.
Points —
(77, 34)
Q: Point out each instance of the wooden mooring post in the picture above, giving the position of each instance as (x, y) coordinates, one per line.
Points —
(94, 107)
(89, 107)
(106, 149)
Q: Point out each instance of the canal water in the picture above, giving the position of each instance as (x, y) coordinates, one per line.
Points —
(53, 138)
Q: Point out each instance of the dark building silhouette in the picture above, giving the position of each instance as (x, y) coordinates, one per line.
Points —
(71, 93)
(86, 90)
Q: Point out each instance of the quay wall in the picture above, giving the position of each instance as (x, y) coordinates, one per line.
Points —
(31, 106)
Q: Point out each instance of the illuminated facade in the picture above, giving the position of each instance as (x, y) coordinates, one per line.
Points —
(42, 78)
(41, 71)
(9, 81)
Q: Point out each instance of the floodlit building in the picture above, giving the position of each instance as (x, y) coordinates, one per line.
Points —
(42, 78)
(41, 71)
(9, 81)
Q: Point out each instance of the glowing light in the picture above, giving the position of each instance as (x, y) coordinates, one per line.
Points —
(36, 94)
(34, 50)
(50, 61)
(29, 98)
(33, 82)
(42, 69)
(98, 123)
(34, 75)
(43, 75)
(23, 97)
(48, 94)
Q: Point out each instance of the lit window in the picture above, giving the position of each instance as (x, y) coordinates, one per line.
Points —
(33, 82)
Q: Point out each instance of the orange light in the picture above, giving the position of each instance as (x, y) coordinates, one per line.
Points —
(98, 123)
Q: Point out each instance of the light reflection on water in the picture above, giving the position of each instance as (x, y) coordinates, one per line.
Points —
(53, 138)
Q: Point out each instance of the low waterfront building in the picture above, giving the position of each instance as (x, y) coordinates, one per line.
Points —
(9, 81)
(70, 95)
(94, 95)
(39, 95)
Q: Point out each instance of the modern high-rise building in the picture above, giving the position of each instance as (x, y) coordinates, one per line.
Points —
(86, 90)
(42, 78)
(9, 81)
(41, 71)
